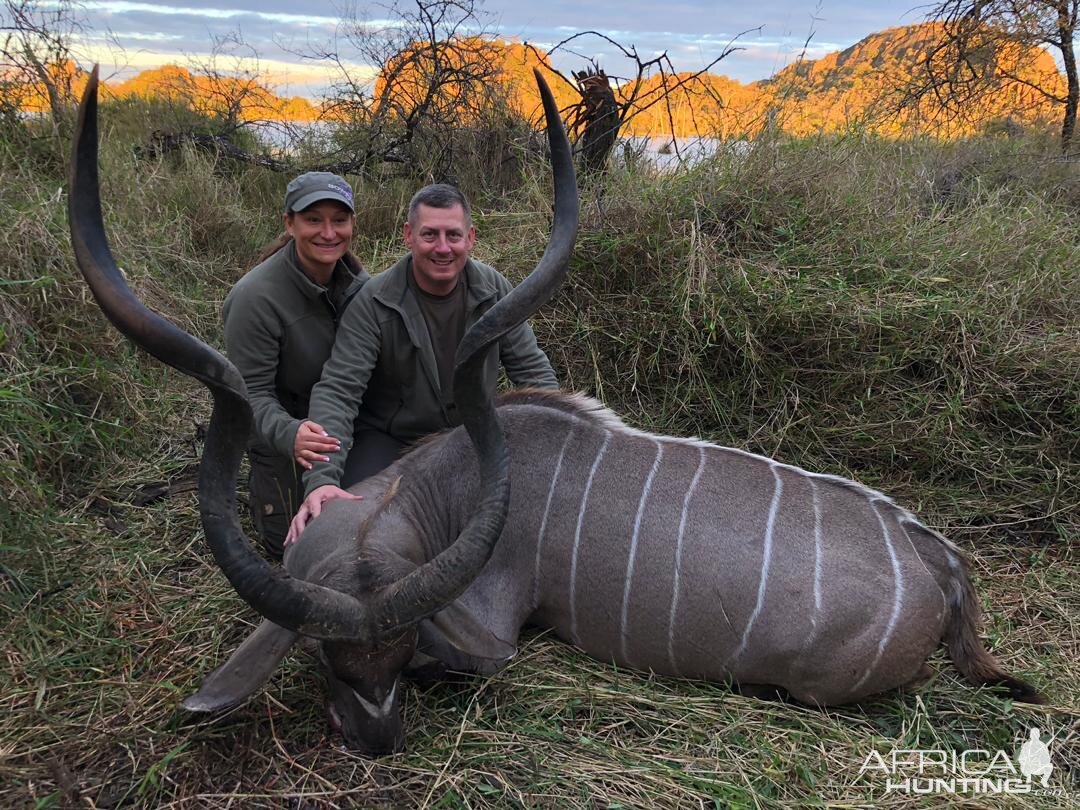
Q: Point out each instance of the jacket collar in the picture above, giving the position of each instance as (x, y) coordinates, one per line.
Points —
(394, 293)
(309, 288)
(394, 290)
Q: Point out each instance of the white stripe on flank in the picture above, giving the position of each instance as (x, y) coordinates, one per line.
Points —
(577, 538)
(811, 637)
(898, 595)
(766, 560)
(633, 547)
(678, 560)
(817, 558)
(596, 413)
(547, 509)
(922, 562)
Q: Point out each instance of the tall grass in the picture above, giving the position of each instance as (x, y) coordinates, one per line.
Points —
(903, 313)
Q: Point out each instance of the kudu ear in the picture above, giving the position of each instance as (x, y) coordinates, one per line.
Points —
(459, 637)
(246, 670)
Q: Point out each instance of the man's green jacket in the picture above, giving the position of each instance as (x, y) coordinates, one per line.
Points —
(279, 330)
(382, 371)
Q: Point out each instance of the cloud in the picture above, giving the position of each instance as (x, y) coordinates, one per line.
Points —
(692, 32)
(121, 7)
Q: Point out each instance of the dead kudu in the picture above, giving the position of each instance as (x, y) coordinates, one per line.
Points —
(658, 553)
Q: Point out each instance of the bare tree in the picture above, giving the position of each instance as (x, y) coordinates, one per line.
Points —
(596, 123)
(435, 70)
(227, 85)
(438, 69)
(986, 44)
(213, 102)
(37, 63)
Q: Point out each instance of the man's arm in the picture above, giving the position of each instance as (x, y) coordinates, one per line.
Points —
(524, 361)
(335, 399)
(253, 344)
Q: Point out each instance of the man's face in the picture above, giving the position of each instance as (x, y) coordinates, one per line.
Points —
(440, 240)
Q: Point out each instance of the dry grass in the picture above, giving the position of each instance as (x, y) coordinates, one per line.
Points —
(837, 304)
(96, 664)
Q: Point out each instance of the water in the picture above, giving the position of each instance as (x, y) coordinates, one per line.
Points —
(662, 151)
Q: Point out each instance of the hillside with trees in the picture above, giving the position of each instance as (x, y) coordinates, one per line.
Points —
(869, 85)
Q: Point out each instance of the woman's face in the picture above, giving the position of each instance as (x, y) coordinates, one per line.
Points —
(322, 233)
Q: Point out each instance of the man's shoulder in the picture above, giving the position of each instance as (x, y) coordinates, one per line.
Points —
(375, 301)
(392, 279)
(389, 286)
(484, 278)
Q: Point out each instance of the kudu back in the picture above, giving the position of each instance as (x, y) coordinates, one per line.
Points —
(658, 553)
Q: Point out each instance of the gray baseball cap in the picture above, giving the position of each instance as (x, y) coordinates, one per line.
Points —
(312, 187)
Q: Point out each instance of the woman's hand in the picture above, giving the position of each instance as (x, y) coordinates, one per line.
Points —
(311, 443)
(312, 506)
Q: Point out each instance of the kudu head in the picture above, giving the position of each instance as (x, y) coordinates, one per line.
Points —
(363, 611)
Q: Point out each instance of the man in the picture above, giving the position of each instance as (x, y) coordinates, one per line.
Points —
(393, 359)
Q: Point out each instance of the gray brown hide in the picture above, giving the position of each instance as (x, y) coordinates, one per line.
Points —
(684, 558)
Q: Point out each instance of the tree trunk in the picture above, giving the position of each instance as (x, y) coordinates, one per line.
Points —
(601, 119)
(1066, 31)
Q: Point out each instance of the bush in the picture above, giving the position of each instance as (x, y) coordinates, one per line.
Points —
(818, 301)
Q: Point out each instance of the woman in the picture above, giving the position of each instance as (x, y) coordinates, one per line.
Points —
(280, 322)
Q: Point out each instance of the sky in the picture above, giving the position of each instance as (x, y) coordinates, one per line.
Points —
(131, 36)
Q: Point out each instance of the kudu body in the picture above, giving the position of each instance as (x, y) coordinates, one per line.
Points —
(661, 554)
(675, 556)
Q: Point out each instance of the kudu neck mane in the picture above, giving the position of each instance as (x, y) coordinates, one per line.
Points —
(592, 412)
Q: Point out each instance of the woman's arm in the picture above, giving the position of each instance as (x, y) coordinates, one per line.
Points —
(253, 344)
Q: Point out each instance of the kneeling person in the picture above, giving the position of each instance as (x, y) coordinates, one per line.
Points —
(280, 323)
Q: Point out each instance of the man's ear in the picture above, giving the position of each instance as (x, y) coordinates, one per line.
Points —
(406, 234)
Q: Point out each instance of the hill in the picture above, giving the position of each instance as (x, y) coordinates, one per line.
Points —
(860, 85)
(224, 96)
(865, 82)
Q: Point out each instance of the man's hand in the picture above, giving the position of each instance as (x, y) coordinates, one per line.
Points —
(312, 506)
(311, 443)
